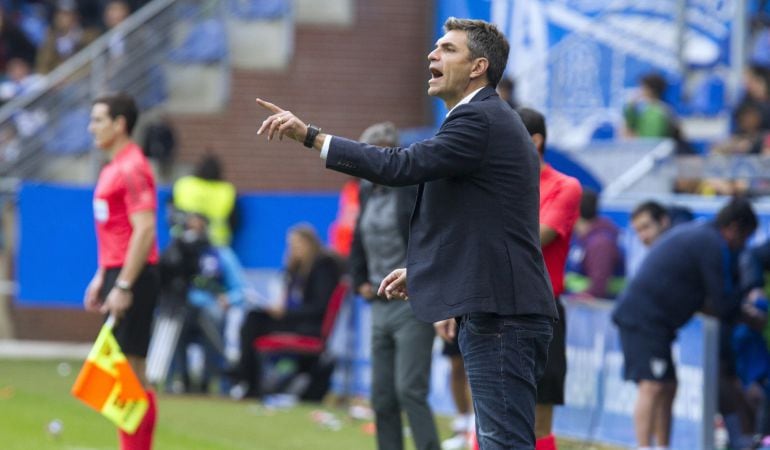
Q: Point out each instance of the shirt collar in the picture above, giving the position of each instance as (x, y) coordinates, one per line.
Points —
(465, 100)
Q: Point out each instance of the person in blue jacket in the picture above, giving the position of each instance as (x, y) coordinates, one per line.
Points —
(691, 268)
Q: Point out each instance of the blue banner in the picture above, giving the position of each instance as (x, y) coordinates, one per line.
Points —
(579, 61)
(599, 402)
(57, 243)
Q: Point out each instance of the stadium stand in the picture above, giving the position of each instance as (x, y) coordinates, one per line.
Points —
(198, 71)
(261, 34)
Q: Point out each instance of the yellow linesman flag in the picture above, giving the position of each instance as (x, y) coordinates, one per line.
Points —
(107, 383)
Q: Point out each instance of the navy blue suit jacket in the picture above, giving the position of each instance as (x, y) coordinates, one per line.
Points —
(474, 241)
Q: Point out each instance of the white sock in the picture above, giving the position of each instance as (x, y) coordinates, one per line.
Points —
(460, 423)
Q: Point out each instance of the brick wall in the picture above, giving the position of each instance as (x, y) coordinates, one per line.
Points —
(339, 79)
(55, 324)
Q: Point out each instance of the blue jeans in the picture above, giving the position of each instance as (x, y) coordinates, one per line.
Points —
(504, 357)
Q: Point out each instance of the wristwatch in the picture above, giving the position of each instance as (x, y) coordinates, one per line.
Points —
(312, 132)
(123, 285)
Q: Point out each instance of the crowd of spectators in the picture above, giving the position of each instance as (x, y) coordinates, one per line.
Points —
(37, 37)
(717, 170)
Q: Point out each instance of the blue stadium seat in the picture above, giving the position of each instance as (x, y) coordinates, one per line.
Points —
(758, 7)
(69, 134)
(259, 9)
(206, 43)
(33, 22)
(759, 53)
(605, 131)
(699, 146)
(708, 98)
(156, 91)
(673, 94)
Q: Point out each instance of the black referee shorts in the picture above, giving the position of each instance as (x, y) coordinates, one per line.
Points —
(550, 388)
(133, 330)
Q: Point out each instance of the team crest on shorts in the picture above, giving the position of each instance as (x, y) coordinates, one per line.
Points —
(658, 367)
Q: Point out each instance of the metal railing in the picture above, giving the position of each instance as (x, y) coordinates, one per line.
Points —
(48, 127)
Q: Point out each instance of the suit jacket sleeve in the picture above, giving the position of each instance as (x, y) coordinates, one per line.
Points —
(457, 149)
(407, 197)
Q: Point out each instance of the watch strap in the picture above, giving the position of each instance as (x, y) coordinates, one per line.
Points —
(312, 133)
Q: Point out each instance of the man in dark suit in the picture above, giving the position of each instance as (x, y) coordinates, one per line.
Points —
(474, 250)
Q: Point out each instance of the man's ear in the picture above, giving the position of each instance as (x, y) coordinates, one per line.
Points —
(480, 66)
(120, 121)
(537, 139)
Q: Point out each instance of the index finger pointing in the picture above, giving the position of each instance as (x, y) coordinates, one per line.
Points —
(269, 106)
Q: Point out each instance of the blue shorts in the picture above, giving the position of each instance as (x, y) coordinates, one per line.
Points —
(646, 356)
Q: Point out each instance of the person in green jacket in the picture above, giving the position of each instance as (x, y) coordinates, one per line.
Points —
(648, 115)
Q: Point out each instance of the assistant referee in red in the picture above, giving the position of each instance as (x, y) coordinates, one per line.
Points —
(126, 282)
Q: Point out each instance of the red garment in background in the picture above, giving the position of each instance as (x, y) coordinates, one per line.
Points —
(559, 210)
(341, 230)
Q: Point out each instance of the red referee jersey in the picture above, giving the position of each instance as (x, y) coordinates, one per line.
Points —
(125, 186)
(559, 209)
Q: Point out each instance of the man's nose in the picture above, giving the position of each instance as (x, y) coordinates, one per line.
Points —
(433, 56)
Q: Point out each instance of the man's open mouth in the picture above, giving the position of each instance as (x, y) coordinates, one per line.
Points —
(435, 73)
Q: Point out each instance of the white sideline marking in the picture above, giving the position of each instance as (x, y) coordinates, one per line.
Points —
(43, 349)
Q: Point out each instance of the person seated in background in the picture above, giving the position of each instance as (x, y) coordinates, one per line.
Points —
(756, 85)
(65, 37)
(13, 42)
(115, 12)
(206, 192)
(311, 275)
(19, 80)
(648, 115)
(595, 262)
(215, 295)
(748, 138)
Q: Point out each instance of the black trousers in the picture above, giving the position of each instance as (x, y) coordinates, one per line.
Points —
(257, 324)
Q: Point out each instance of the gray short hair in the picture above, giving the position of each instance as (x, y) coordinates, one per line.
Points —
(383, 133)
(484, 41)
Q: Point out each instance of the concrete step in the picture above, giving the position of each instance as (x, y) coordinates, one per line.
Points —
(325, 12)
(197, 88)
(260, 44)
(18, 349)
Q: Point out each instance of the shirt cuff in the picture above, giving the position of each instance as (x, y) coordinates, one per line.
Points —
(325, 147)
